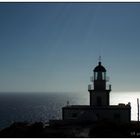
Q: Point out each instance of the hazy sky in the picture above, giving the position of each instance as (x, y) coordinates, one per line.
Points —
(55, 46)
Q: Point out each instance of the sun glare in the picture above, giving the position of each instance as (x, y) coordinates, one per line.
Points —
(126, 97)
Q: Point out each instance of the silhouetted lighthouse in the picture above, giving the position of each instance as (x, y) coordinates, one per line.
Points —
(99, 94)
(99, 107)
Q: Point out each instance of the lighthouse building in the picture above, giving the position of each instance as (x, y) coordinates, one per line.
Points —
(99, 107)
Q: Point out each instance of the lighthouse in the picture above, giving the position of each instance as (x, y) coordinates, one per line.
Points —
(99, 93)
(99, 107)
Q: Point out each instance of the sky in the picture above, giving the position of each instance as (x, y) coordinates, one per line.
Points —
(54, 47)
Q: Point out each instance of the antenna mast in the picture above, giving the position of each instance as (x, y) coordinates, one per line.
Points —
(138, 107)
(100, 58)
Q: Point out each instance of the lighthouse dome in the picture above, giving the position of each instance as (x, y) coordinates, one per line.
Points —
(99, 68)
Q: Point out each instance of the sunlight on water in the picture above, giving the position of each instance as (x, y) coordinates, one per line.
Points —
(125, 97)
(43, 107)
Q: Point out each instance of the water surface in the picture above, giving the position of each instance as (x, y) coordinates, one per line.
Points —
(33, 107)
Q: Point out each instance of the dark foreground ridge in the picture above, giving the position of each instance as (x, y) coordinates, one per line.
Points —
(104, 129)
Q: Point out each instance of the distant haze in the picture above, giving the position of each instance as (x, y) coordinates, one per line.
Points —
(55, 46)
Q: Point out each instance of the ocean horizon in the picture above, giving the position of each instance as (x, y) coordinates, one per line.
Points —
(43, 106)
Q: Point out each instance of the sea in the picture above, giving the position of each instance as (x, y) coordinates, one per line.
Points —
(38, 106)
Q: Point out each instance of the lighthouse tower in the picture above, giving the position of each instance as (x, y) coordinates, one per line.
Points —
(99, 108)
(99, 94)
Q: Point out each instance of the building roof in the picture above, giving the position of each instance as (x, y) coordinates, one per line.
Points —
(97, 107)
(99, 68)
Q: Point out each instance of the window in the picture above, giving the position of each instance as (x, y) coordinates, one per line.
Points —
(99, 75)
(95, 75)
(99, 101)
(74, 115)
(104, 76)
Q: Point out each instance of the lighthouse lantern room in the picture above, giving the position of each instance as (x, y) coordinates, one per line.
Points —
(99, 94)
